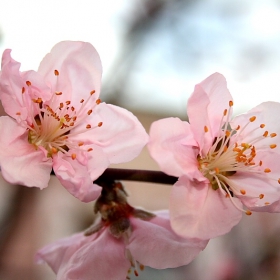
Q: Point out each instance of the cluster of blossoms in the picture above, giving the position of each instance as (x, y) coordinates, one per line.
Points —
(56, 122)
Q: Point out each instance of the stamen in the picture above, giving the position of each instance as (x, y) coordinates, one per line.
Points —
(265, 133)
(88, 126)
(262, 125)
(205, 128)
(98, 101)
(73, 156)
(267, 170)
(92, 92)
(230, 103)
(272, 146)
(28, 83)
(56, 72)
(23, 90)
(273, 135)
(243, 192)
(100, 124)
(252, 118)
(58, 93)
(248, 212)
(261, 196)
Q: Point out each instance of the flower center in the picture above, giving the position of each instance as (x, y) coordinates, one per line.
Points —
(228, 155)
(52, 121)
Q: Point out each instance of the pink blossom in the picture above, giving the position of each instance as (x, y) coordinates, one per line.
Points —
(222, 163)
(56, 120)
(103, 256)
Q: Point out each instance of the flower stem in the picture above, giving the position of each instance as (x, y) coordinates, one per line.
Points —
(136, 175)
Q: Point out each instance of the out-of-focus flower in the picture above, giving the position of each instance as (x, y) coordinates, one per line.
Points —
(221, 162)
(56, 120)
(123, 241)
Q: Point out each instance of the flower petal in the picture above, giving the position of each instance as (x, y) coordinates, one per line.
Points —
(16, 96)
(206, 108)
(153, 243)
(76, 174)
(267, 116)
(79, 68)
(20, 162)
(99, 256)
(197, 211)
(173, 147)
(121, 136)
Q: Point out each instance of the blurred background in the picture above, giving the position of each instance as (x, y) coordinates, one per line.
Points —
(153, 53)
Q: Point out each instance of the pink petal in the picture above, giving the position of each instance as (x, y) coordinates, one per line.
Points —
(206, 108)
(76, 175)
(20, 162)
(99, 256)
(173, 147)
(79, 68)
(153, 243)
(197, 211)
(266, 113)
(121, 136)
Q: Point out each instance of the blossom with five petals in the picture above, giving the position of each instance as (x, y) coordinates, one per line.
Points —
(56, 120)
(222, 163)
(103, 256)
(122, 241)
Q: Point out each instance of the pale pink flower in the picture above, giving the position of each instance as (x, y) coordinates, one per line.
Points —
(56, 120)
(222, 163)
(103, 256)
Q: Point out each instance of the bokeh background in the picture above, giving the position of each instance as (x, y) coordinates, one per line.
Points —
(153, 53)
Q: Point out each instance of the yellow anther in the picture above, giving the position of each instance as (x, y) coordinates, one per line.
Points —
(265, 133)
(262, 125)
(82, 100)
(141, 266)
(89, 149)
(68, 102)
(28, 83)
(92, 92)
(58, 92)
(261, 196)
(238, 127)
(73, 156)
(230, 103)
(98, 101)
(56, 72)
(88, 126)
(267, 203)
(252, 118)
(248, 212)
(243, 192)
(89, 112)
(272, 146)
(267, 170)
(100, 124)
(225, 112)
(260, 163)
(54, 150)
(205, 128)
(273, 135)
